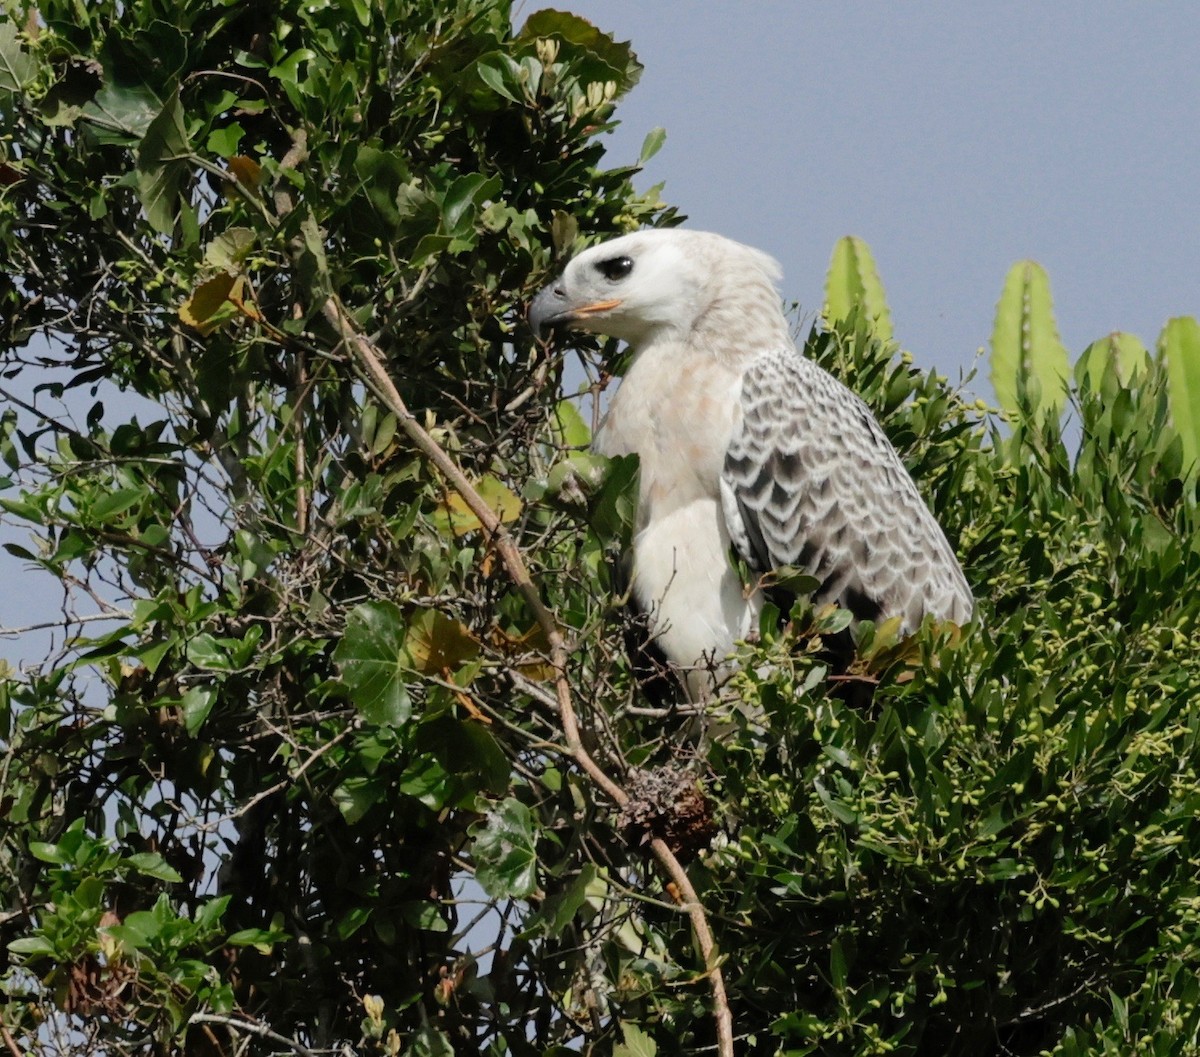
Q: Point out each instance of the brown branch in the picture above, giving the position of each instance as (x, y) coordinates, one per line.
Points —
(298, 416)
(369, 361)
(9, 1042)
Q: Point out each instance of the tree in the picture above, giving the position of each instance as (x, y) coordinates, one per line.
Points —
(340, 746)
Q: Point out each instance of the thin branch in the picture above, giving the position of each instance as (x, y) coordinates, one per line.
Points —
(8, 1042)
(279, 786)
(252, 1027)
(118, 614)
(369, 361)
(303, 389)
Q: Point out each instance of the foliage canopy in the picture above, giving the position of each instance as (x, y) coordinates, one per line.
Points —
(295, 776)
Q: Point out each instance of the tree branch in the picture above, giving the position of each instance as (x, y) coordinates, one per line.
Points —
(9, 1042)
(252, 1027)
(368, 359)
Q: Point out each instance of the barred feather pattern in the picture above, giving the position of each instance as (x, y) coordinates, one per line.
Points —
(810, 480)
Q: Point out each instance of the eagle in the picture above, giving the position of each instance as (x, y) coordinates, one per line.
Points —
(745, 446)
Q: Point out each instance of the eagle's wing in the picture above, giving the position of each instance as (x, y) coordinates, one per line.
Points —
(811, 481)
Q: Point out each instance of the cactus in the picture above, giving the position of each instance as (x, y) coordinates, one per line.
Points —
(853, 283)
(1179, 345)
(1125, 352)
(1029, 362)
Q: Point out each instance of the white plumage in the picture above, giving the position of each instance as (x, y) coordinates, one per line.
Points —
(743, 440)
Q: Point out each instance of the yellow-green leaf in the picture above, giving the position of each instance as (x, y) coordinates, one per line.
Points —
(437, 643)
(210, 304)
(570, 430)
(454, 516)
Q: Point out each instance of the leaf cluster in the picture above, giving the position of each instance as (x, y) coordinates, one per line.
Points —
(291, 694)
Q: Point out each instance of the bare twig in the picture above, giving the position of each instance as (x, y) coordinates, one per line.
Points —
(252, 1027)
(369, 362)
(279, 786)
(117, 614)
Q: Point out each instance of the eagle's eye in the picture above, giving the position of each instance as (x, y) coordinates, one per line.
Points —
(615, 268)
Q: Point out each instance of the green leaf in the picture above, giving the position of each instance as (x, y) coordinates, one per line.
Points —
(505, 852)
(837, 965)
(652, 144)
(353, 920)
(371, 659)
(1179, 345)
(109, 506)
(154, 865)
(853, 285)
(223, 142)
(1029, 363)
(560, 910)
(120, 114)
(635, 1043)
(570, 430)
(209, 915)
(208, 652)
(162, 161)
(382, 174)
(428, 781)
(229, 250)
(429, 1042)
(261, 939)
(17, 69)
(50, 853)
(616, 500)
(197, 702)
(356, 796)
(288, 69)
(424, 915)
(604, 58)
(502, 75)
(316, 264)
(460, 204)
(32, 945)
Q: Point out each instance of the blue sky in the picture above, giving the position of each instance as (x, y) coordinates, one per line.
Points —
(956, 138)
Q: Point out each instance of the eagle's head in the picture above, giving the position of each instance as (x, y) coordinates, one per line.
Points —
(650, 282)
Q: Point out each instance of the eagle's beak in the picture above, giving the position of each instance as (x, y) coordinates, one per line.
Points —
(551, 307)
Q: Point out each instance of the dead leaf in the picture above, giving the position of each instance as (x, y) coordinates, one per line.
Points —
(437, 643)
(246, 171)
(209, 305)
